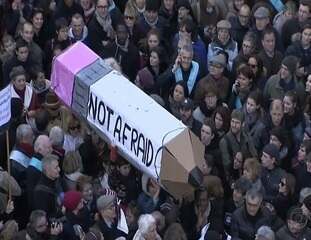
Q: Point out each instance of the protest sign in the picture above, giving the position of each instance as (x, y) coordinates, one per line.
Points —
(146, 134)
(5, 106)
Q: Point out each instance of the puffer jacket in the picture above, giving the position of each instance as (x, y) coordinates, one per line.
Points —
(244, 226)
(284, 233)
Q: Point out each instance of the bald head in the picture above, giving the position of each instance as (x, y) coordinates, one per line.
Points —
(244, 15)
(43, 145)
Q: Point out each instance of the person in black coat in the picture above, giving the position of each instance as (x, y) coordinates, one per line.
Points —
(123, 181)
(302, 48)
(101, 26)
(77, 216)
(66, 9)
(185, 113)
(247, 219)
(303, 175)
(45, 192)
(20, 58)
(42, 147)
(91, 151)
(151, 19)
(124, 52)
(109, 216)
(240, 24)
(202, 211)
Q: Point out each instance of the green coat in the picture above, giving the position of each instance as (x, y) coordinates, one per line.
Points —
(273, 90)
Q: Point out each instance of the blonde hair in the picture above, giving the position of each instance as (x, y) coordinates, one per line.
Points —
(9, 230)
(253, 166)
(131, 10)
(72, 162)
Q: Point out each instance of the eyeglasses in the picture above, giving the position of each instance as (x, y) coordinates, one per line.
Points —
(244, 16)
(77, 127)
(129, 17)
(102, 6)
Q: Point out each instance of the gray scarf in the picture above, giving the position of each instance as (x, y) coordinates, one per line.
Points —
(105, 23)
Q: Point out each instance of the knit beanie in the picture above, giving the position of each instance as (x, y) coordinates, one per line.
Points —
(106, 199)
(291, 63)
(272, 150)
(280, 133)
(72, 200)
(146, 78)
(237, 114)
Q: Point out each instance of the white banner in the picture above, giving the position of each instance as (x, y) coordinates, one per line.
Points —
(5, 105)
(127, 116)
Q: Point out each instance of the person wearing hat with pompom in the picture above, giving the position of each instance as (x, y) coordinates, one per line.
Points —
(271, 174)
(223, 42)
(77, 218)
(285, 80)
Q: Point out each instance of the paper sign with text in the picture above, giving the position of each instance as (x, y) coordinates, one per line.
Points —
(5, 106)
(132, 120)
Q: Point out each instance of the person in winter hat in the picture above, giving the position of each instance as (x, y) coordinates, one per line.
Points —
(78, 218)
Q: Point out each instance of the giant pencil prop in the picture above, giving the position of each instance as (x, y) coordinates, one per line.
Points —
(146, 134)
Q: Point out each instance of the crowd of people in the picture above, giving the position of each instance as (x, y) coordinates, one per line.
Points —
(237, 73)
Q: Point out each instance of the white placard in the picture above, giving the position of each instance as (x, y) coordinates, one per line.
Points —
(131, 119)
(5, 105)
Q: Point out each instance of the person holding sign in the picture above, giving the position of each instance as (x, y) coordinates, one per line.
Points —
(20, 89)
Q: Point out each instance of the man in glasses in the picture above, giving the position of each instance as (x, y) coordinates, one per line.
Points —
(223, 42)
(240, 24)
(248, 48)
(101, 26)
(216, 68)
(248, 218)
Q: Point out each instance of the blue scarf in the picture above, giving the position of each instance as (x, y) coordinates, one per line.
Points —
(192, 77)
(278, 5)
(36, 163)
